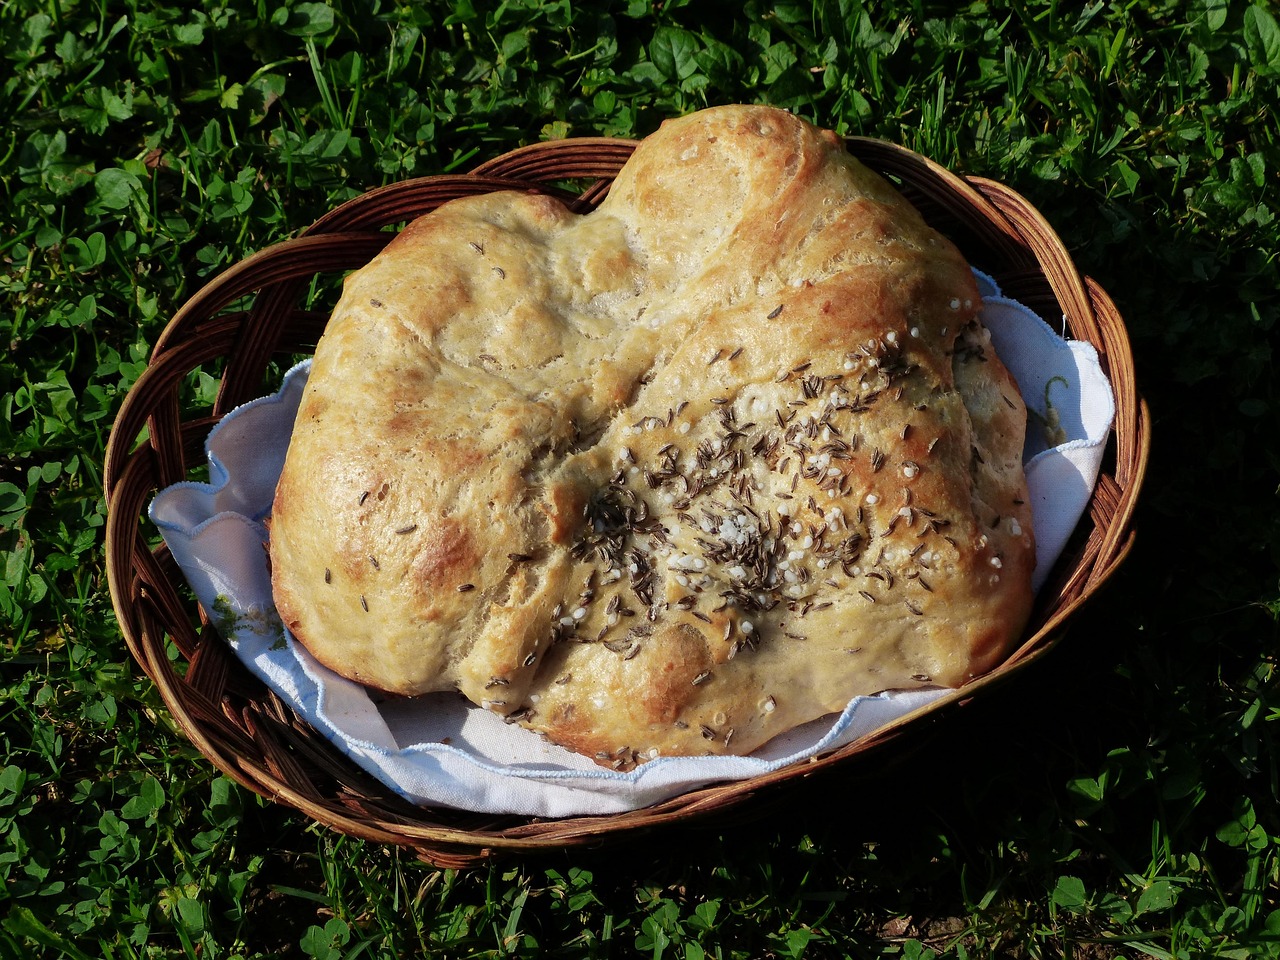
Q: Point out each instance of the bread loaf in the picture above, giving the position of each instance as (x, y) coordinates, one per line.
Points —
(671, 477)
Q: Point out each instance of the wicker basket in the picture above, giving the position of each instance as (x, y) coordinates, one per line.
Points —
(252, 737)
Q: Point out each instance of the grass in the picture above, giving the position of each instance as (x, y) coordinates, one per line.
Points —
(1122, 799)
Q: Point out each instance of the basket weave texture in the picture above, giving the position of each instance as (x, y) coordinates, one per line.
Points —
(252, 737)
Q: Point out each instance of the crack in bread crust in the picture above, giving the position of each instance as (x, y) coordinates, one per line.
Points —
(671, 477)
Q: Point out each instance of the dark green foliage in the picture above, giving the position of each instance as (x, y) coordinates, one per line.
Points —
(1121, 799)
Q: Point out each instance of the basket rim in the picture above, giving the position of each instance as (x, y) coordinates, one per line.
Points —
(145, 608)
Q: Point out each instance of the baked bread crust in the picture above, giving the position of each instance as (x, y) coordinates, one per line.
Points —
(672, 477)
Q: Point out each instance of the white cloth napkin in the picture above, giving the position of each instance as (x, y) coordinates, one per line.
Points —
(439, 749)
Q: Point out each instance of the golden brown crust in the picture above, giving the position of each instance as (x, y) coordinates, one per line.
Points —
(669, 478)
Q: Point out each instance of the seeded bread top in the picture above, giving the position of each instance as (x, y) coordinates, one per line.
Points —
(672, 477)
